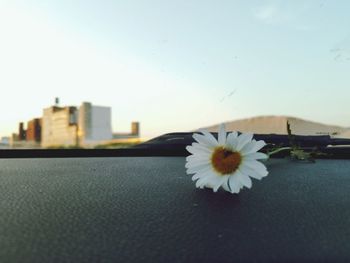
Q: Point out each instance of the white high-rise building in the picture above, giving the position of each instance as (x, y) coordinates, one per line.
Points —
(67, 126)
(59, 127)
(94, 124)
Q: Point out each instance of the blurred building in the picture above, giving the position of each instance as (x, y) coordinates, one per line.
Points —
(87, 126)
(69, 126)
(21, 132)
(5, 142)
(33, 132)
(27, 138)
(135, 132)
(135, 129)
(59, 126)
(94, 124)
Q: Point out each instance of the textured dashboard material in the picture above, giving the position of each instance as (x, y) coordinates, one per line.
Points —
(148, 209)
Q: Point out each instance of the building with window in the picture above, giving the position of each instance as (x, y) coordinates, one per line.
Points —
(94, 124)
(29, 138)
(33, 132)
(86, 126)
(59, 126)
(70, 126)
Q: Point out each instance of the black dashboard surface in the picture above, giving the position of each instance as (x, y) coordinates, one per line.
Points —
(132, 209)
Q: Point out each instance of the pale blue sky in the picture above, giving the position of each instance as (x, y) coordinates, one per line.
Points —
(169, 64)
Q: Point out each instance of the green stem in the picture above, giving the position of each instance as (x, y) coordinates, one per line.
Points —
(279, 150)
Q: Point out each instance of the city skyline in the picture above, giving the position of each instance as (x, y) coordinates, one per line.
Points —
(86, 125)
(176, 66)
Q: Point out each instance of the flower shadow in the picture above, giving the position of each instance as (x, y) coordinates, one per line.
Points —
(216, 201)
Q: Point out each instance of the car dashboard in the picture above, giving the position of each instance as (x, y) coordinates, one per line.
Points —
(146, 208)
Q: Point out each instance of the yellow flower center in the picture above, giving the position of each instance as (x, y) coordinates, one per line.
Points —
(225, 161)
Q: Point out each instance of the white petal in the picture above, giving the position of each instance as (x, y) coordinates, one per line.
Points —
(259, 145)
(200, 169)
(248, 147)
(222, 135)
(244, 179)
(204, 140)
(202, 147)
(234, 134)
(214, 182)
(204, 181)
(222, 181)
(256, 166)
(234, 184)
(209, 136)
(225, 186)
(253, 146)
(198, 157)
(256, 156)
(196, 150)
(196, 164)
(232, 140)
(251, 172)
(243, 139)
(197, 176)
(202, 174)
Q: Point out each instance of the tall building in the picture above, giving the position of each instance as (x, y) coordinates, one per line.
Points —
(69, 126)
(29, 138)
(59, 126)
(135, 128)
(34, 130)
(94, 123)
(21, 132)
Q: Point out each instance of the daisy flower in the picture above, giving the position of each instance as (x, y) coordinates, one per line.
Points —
(228, 162)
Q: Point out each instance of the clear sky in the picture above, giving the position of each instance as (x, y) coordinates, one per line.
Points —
(176, 65)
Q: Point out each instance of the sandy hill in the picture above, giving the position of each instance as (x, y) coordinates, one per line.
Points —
(278, 125)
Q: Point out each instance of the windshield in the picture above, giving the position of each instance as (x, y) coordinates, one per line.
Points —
(112, 74)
